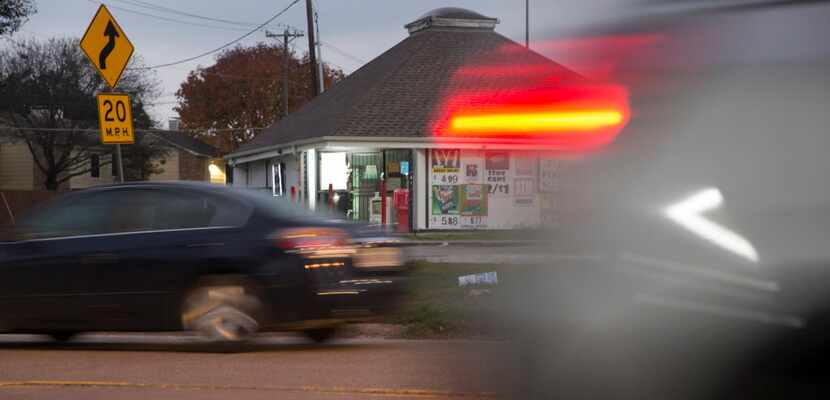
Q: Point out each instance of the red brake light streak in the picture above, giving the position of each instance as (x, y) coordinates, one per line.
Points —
(574, 116)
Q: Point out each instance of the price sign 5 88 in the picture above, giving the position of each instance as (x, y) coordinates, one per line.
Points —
(116, 118)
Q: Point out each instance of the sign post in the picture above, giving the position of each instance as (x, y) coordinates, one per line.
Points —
(108, 49)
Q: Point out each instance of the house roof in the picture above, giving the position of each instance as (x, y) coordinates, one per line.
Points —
(186, 142)
(401, 92)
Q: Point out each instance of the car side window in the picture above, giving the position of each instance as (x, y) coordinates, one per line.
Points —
(135, 210)
(182, 210)
(86, 215)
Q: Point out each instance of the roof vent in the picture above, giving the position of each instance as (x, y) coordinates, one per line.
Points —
(453, 18)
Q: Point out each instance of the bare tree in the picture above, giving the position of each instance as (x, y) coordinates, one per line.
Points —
(47, 100)
(13, 13)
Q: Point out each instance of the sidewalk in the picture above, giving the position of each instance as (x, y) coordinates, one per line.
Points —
(472, 243)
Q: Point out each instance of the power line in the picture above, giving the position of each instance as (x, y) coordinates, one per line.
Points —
(178, 21)
(161, 8)
(344, 53)
(226, 45)
(162, 103)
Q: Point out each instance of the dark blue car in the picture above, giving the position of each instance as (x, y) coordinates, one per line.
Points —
(184, 256)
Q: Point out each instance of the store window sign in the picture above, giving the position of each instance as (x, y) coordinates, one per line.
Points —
(444, 199)
(446, 160)
(393, 168)
(497, 160)
(371, 172)
(404, 167)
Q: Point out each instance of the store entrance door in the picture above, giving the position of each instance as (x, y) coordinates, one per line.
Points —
(365, 170)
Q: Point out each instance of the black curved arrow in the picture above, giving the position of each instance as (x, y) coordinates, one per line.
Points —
(105, 52)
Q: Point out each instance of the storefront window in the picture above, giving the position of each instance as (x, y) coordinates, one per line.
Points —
(364, 178)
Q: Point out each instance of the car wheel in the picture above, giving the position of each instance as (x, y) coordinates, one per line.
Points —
(222, 311)
(320, 335)
(62, 336)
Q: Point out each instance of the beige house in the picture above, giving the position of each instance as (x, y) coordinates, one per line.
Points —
(189, 159)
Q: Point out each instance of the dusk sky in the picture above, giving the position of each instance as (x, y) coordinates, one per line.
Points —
(353, 31)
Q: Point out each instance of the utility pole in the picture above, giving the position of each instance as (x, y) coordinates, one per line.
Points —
(527, 24)
(320, 76)
(286, 37)
(315, 83)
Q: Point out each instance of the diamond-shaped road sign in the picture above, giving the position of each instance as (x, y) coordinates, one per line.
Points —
(106, 46)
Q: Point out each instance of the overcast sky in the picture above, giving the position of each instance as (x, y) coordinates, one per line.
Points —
(355, 31)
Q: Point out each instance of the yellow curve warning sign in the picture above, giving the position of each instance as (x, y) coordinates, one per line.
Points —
(106, 46)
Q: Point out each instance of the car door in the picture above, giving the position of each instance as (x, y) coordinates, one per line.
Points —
(162, 236)
(42, 284)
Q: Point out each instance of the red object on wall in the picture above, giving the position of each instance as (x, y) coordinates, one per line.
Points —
(400, 200)
(383, 203)
(293, 194)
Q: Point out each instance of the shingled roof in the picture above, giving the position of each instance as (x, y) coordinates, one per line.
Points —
(186, 142)
(399, 93)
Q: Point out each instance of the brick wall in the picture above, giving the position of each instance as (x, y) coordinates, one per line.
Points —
(193, 168)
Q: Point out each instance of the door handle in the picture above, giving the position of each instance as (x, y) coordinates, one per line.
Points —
(99, 258)
(209, 244)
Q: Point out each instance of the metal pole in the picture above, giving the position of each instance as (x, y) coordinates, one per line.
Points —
(285, 72)
(320, 77)
(311, 43)
(383, 189)
(119, 165)
(527, 23)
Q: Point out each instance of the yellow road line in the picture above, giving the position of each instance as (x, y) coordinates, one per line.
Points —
(390, 392)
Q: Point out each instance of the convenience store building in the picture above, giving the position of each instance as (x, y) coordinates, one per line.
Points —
(410, 128)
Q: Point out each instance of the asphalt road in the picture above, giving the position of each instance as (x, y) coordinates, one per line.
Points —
(141, 366)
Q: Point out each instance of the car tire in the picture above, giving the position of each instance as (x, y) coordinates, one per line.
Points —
(62, 336)
(222, 309)
(321, 335)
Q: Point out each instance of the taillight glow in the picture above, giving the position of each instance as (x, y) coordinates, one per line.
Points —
(574, 116)
(523, 123)
(310, 238)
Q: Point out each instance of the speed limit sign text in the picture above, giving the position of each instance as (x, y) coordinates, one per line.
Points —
(116, 118)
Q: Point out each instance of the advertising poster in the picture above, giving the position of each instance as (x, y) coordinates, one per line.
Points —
(525, 166)
(472, 173)
(445, 172)
(445, 166)
(474, 200)
(523, 187)
(497, 160)
(524, 192)
(547, 175)
(445, 199)
(445, 160)
(477, 189)
(497, 164)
